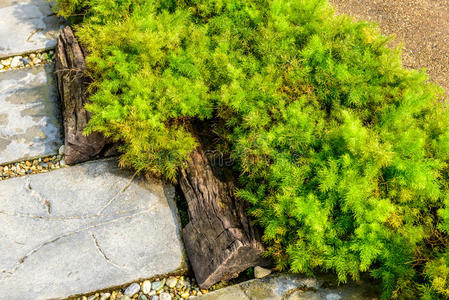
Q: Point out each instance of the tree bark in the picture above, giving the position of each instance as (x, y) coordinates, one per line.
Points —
(70, 69)
(219, 239)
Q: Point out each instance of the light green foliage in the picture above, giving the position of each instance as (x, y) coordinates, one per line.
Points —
(342, 152)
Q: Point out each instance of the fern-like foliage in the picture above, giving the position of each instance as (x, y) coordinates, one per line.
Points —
(342, 152)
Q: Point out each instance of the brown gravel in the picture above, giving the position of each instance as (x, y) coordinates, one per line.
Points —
(27, 167)
(422, 26)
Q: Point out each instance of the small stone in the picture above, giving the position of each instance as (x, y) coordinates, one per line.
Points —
(105, 296)
(185, 295)
(125, 297)
(43, 165)
(26, 61)
(32, 55)
(62, 163)
(146, 287)
(157, 285)
(16, 62)
(61, 150)
(36, 61)
(92, 297)
(132, 289)
(164, 296)
(180, 284)
(2, 66)
(113, 295)
(260, 272)
(171, 282)
(155, 297)
(142, 297)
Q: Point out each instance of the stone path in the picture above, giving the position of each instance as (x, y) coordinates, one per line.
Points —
(293, 287)
(84, 228)
(30, 124)
(78, 229)
(25, 26)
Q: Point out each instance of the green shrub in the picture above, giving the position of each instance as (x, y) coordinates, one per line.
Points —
(342, 152)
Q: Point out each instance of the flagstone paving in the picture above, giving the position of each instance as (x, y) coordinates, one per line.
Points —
(294, 287)
(30, 124)
(27, 25)
(84, 228)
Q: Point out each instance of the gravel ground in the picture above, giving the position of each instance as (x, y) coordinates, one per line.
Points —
(171, 287)
(422, 26)
(23, 61)
(34, 166)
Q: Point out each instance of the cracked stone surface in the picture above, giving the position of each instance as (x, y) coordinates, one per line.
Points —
(27, 25)
(30, 124)
(84, 228)
(294, 287)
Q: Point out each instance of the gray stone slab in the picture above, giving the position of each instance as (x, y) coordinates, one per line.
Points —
(26, 26)
(294, 287)
(84, 228)
(30, 117)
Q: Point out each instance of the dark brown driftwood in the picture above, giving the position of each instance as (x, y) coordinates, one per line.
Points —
(70, 70)
(219, 239)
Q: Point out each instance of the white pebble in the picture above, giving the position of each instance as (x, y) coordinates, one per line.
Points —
(146, 287)
(171, 282)
(260, 272)
(105, 296)
(164, 296)
(132, 289)
(61, 150)
(16, 62)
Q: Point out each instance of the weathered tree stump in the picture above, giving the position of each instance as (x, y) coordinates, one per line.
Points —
(219, 239)
(70, 69)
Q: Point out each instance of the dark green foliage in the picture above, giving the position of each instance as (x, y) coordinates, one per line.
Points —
(342, 152)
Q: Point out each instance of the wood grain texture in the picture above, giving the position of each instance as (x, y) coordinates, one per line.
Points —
(70, 69)
(219, 239)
